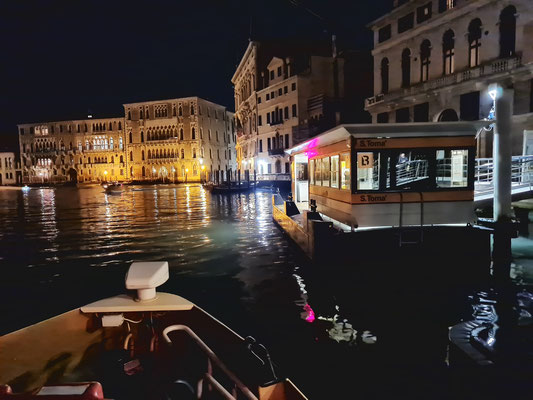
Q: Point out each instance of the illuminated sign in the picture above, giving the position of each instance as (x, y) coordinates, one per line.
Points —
(365, 160)
(372, 143)
(371, 198)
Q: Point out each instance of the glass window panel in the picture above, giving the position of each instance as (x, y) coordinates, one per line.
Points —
(325, 171)
(312, 172)
(411, 167)
(345, 171)
(318, 174)
(334, 171)
(452, 168)
(368, 170)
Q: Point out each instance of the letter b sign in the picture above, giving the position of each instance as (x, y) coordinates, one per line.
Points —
(365, 160)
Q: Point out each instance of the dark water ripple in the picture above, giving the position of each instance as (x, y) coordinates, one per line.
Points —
(65, 247)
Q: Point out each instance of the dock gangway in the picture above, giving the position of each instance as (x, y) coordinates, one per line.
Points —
(521, 178)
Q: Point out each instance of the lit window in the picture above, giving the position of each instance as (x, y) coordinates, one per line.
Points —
(325, 169)
(335, 171)
(411, 167)
(368, 170)
(452, 168)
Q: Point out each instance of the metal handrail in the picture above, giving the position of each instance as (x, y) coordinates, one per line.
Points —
(521, 173)
(212, 357)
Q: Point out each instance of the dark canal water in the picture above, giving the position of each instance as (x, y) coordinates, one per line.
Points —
(334, 335)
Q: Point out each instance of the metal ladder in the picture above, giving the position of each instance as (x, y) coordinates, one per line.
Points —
(421, 238)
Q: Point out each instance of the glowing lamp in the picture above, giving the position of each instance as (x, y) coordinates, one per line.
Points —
(203, 167)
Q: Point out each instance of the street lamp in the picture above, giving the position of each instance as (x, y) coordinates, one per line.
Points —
(105, 175)
(202, 177)
(173, 174)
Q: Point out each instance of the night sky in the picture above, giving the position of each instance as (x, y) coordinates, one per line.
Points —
(62, 58)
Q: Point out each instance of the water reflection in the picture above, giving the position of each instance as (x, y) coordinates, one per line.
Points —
(227, 256)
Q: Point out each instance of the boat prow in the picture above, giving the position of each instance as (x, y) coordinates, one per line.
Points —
(154, 346)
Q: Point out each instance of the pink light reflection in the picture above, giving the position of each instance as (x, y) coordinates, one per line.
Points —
(310, 313)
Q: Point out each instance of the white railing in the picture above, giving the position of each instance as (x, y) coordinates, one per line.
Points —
(490, 68)
(521, 174)
(273, 177)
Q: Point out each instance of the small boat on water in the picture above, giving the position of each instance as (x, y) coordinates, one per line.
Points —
(148, 346)
(113, 188)
(233, 187)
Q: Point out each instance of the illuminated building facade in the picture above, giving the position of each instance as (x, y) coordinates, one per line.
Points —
(90, 150)
(435, 59)
(187, 139)
(284, 94)
(9, 169)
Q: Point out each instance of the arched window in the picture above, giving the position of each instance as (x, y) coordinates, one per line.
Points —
(181, 133)
(142, 155)
(474, 42)
(89, 160)
(448, 43)
(194, 169)
(193, 133)
(120, 144)
(110, 127)
(192, 109)
(448, 115)
(143, 172)
(182, 153)
(119, 125)
(131, 155)
(111, 143)
(112, 160)
(142, 137)
(149, 154)
(141, 114)
(193, 153)
(129, 115)
(406, 68)
(507, 32)
(425, 55)
(385, 75)
(131, 138)
(180, 111)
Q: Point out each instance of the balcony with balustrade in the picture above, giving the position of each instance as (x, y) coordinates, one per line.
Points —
(492, 69)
